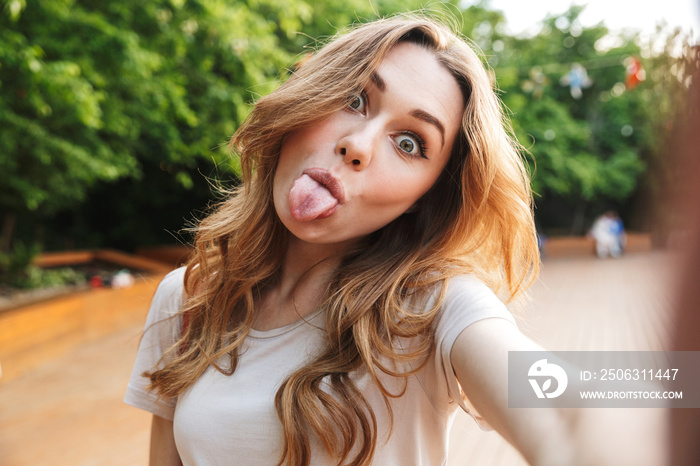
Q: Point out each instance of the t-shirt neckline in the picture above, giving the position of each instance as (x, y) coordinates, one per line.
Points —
(275, 332)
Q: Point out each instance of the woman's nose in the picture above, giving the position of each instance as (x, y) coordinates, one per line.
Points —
(357, 147)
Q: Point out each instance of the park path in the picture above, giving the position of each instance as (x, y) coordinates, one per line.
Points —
(69, 411)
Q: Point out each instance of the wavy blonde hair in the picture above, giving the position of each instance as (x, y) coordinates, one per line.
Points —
(476, 219)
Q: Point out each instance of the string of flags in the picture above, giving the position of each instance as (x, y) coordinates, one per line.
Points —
(577, 79)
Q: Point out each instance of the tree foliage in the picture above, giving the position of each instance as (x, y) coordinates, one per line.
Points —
(124, 108)
(91, 92)
(589, 151)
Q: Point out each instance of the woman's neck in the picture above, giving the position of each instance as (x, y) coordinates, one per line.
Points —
(306, 270)
(304, 260)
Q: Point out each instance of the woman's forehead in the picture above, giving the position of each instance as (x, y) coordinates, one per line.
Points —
(413, 74)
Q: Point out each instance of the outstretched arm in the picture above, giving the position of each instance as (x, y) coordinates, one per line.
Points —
(549, 436)
(480, 360)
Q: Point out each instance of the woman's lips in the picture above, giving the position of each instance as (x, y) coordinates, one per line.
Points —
(330, 182)
(315, 195)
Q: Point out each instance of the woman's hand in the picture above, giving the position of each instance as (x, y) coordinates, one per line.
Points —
(163, 450)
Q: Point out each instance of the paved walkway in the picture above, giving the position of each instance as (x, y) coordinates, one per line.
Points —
(69, 411)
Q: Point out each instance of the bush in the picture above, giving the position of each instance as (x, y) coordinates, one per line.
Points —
(17, 270)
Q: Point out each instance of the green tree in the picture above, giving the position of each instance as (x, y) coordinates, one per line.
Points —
(129, 104)
(92, 92)
(589, 150)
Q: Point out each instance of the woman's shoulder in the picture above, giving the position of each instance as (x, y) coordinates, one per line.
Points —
(467, 300)
(169, 294)
(173, 282)
(470, 289)
(461, 289)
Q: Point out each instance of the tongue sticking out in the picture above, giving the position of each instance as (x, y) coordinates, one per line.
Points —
(309, 200)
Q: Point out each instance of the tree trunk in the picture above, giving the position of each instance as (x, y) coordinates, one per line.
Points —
(8, 231)
(578, 225)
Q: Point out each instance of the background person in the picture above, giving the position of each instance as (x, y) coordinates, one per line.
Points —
(608, 233)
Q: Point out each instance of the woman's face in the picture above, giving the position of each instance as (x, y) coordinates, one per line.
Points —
(356, 171)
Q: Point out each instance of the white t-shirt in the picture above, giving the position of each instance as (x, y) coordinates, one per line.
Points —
(232, 419)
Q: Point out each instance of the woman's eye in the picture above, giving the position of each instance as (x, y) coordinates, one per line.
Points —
(406, 145)
(410, 144)
(357, 102)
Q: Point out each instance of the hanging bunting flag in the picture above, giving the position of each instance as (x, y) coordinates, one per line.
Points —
(537, 82)
(577, 79)
(634, 74)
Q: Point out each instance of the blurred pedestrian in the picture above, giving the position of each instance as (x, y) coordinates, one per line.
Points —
(608, 233)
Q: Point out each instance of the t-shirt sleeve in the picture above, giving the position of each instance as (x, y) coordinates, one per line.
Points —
(160, 332)
(467, 301)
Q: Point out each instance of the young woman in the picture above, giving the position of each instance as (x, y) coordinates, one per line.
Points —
(341, 304)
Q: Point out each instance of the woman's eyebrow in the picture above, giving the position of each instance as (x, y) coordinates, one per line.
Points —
(380, 84)
(377, 81)
(427, 117)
